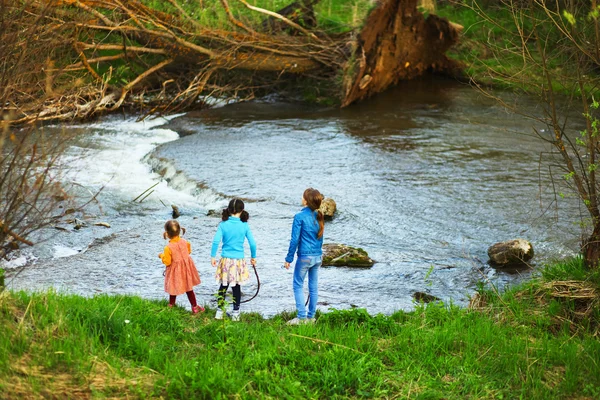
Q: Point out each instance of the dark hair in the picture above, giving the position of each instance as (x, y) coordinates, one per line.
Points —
(172, 229)
(235, 206)
(313, 200)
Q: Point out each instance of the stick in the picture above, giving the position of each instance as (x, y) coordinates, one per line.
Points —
(235, 21)
(281, 17)
(16, 236)
(144, 192)
(144, 198)
(326, 342)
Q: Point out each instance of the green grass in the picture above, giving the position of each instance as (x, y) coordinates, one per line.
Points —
(525, 344)
(493, 52)
(332, 15)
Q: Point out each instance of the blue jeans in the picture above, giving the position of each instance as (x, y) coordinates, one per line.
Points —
(306, 265)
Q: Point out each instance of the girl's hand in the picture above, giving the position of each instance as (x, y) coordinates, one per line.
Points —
(213, 261)
(286, 265)
(160, 256)
(253, 262)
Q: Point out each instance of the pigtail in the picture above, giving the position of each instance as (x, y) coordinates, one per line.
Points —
(165, 235)
(226, 214)
(182, 231)
(244, 216)
(321, 219)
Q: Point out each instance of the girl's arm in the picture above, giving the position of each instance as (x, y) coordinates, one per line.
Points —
(296, 227)
(166, 256)
(216, 241)
(251, 242)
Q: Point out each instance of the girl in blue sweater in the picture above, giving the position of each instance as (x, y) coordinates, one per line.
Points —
(307, 239)
(233, 230)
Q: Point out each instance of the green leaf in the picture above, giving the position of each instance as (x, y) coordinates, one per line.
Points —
(569, 175)
(569, 17)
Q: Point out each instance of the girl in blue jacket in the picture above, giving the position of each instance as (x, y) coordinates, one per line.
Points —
(307, 238)
(233, 230)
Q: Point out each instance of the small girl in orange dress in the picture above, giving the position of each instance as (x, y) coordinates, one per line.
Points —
(181, 275)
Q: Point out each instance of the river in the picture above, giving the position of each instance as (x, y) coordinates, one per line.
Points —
(426, 177)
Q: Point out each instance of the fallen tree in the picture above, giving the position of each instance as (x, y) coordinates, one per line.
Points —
(114, 53)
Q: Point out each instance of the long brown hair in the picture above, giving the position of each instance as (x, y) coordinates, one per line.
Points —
(313, 200)
(172, 229)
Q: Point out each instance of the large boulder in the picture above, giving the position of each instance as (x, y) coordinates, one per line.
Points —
(328, 208)
(510, 253)
(340, 255)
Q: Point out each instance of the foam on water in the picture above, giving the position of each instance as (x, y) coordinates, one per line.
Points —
(116, 162)
(64, 251)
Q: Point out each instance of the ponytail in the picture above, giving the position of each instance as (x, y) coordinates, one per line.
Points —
(244, 216)
(225, 216)
(313, 200)
(321, 220)
(182, 231)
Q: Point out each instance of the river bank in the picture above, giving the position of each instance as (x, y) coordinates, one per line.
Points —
(526, 343)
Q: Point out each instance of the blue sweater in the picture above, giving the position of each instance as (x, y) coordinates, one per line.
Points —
(304, 235)
(233, 232)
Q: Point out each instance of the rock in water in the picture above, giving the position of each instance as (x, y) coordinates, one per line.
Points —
(328, 208)
(176, 214)
(510, 253)
(214, 213)
(423, 297)
(340, 255)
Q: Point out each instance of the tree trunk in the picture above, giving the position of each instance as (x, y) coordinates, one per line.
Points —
(591, 248)
(398, 43)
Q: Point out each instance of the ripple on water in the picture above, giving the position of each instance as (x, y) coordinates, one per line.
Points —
(424, 182)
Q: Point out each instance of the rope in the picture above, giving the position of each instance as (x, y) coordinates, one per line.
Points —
(257, 287)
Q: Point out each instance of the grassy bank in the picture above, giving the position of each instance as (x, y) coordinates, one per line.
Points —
(529, 343)
(499, 49)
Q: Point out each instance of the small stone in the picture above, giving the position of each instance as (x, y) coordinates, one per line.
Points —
(61, 228)
(423, 297)
(104, 224)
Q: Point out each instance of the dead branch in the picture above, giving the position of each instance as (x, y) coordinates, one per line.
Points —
(15, 235)
(280, 17)
(234, 21)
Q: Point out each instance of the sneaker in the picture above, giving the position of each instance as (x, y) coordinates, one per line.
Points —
(235, 315)
(310, 321)
(197, 309)
(296, 321)
(219, 314)
(170, 305)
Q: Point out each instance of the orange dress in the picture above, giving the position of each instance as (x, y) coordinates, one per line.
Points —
(181, 275)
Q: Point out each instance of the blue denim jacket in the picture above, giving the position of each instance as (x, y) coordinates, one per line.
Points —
(304, 235)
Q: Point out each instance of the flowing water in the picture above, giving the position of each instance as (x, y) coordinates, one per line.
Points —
(426, 177)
